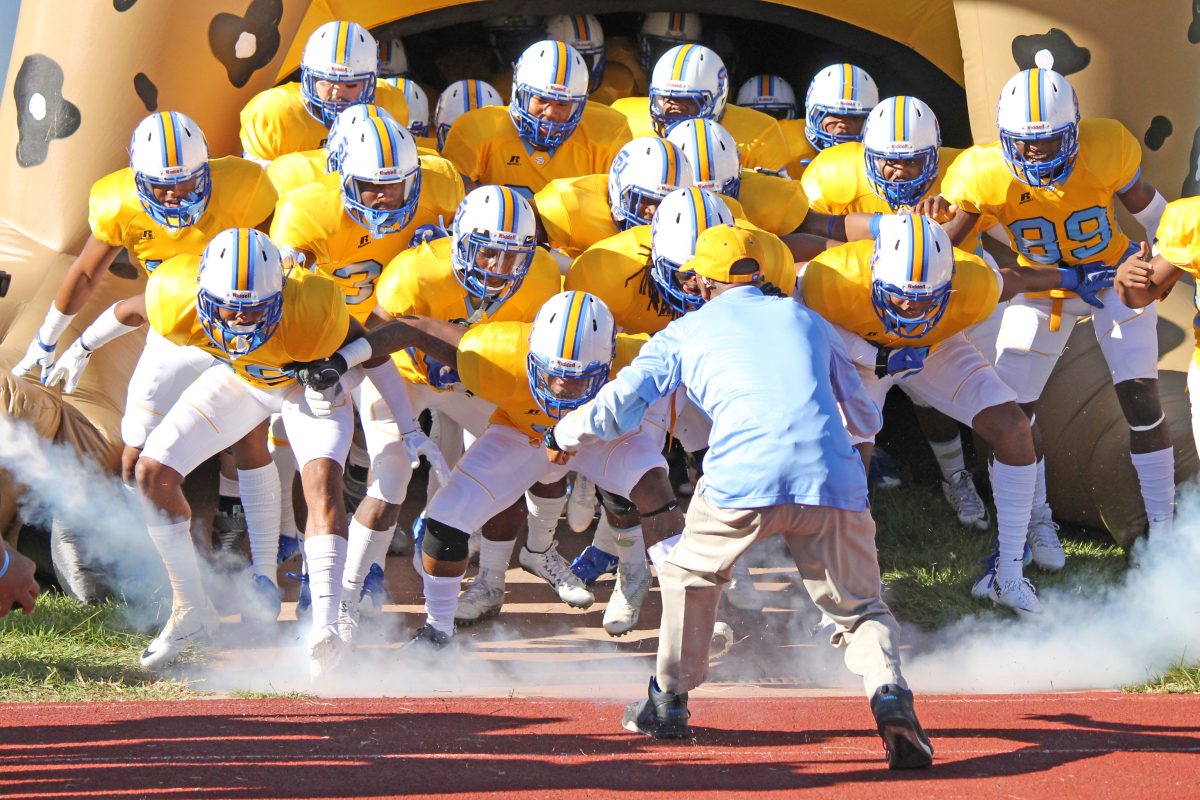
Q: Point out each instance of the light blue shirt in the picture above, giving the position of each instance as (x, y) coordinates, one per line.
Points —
(770, 374)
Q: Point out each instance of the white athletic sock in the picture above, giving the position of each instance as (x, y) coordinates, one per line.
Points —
(494, 557)
(326, 557)
(1012, 490)
(949, 456)
(1156, 474)
(441, 601)
(631, 549)
(366, 547)
(228, 487)
(543, 520)
(174, 545)
(1041, 507)
(260, 502)
(606, 536)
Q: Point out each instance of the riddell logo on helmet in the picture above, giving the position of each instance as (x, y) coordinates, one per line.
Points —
(504, 236)
(168, 171)
(1037, 127)
(677, 85)
(556, 87)
(386, 172)
(336, 67)
(565, 364)
(239, 294)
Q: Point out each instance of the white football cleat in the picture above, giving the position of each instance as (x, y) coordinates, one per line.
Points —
(1043, 541)
(964, 498)
(554, 570)
(187, 626)
(741, 591)
(1019, 595)
(581, 506)
(481, 600)
(325, 653)
(349, 613)
(722, 640)
(625, 604)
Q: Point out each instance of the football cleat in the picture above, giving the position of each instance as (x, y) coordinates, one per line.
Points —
(964, 498)
(981, 587)
(349, 613)
(625, 604)
(374, 595)
(262, 602)
(288, 547)
(553, 569)
(722, 640)
(304, 598)
(904, 741)
(884, 472)
(401, 544)
(662, 715)
(741, 592)
(581, 506)
(1019, 595)
(325, 653)
(1043, 541)
(430, 638)
(592, 563)
(187, 626)
(482, 599)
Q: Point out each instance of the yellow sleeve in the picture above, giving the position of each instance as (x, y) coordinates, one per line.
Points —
(318, 318)
(628, 346)
(609, 132)
(1121, 160)
(171, 299)
(297, 222)
(260, 138)
(1179, 234)
(399, 287)
(293, 170)
(250, 183)
(441, 187)
(483, 360)
(466, 143)
(105, 208)
(391, 98)
(960, 184)
(776, 205)
(769, 148)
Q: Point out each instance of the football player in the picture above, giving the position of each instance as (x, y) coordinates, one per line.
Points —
(172, 199)
(548, 131)
(534, 373)
(662, 30)
(293, 170)
(606, 82)
(898, 166)
(339, 68)
(393, 59)
(836, 105)
(1050, 181)
(457, 99)
(243, 312)
(418, 111)
(774, 96)
(902, 303)
(348, 226)
(690, 81)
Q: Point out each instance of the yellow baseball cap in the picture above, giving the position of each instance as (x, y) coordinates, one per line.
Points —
(720, 247)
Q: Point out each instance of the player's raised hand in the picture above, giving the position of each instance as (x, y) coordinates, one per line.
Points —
(936, 208)
(320, 375)
(1136, 272)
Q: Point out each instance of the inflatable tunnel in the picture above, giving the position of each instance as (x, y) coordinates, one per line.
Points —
(83, 72)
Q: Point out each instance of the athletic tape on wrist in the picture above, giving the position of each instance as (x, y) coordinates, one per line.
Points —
(1151, 426)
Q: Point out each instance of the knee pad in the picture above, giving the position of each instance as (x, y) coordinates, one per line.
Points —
(443, 542)
(391, 471)
(615, 504)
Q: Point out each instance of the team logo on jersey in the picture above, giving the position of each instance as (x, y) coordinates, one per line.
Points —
(364, 241)
(514, 161)
(539, 159)
(1025, 198)
(147, 234)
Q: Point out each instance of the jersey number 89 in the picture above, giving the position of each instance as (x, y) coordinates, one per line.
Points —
(1037, 238)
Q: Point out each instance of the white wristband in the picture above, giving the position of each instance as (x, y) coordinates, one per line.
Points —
(1151, 215)
(356, 352)
(53, 326)
(106, 328)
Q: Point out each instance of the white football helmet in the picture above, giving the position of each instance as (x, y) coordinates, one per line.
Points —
(688, 72)
(418, 104)
(583, 32)
(901, 128)
(240, 273)
(680, 219)
(335, 143)
(393, 59)
(380, 151)
(341, 52)
(662, 30)
(912, 261)
(551, 70)
(842, 90)
(644, 171)
(457, 99)
(168, 150)
(769, 94)
(493, 237)
(1038, 105)
(571, 348)
(711, 153)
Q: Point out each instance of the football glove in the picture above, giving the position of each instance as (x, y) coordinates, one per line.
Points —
(70, 366)
(1087, 281)
(322, 402)
(320, 375)
(38, 355)
(901, 363)
(417, 444)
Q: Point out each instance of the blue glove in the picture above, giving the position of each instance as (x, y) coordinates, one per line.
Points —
(427, 233)
(1087, 281)
(902, 362)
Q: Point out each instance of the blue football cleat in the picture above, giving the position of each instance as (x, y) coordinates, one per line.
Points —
(304, 600)
(288, 547)
(593, 562)
(374, 595)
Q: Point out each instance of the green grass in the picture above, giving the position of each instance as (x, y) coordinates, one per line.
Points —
(65, 652)
(1180, 679)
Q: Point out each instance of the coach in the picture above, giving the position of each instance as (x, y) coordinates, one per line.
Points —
(771, 375)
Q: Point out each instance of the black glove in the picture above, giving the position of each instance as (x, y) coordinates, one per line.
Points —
(548, 440)
(320, 375)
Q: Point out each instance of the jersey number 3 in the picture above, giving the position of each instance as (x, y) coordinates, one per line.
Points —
(1037, 238)
(362, 277)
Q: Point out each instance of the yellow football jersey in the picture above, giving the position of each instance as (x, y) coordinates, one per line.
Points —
(242, 197)
(1073, 223)
(492, 362)
(759, 138)
(293, 170)
(314, 324)
(575, 212)
(620, 50)
(1179, 243)
(777, 205)
(421, 281)
(619, 81)
(837, 285)
(314, 218)
(800, 149)
(485, 147)
(275, 122)
(617, 270)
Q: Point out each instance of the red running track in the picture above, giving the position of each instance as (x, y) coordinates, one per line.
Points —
(1058, 746)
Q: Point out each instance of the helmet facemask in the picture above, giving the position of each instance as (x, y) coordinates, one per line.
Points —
(187, 208)
(1049, 172)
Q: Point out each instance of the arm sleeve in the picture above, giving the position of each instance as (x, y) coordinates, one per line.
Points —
(862, 415)
(619, 407)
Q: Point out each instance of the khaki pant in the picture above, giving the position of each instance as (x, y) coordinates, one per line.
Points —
(835, 554)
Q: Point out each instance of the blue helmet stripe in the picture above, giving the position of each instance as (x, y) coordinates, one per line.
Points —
(250, 259)
(665, 161)
(579, 329)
